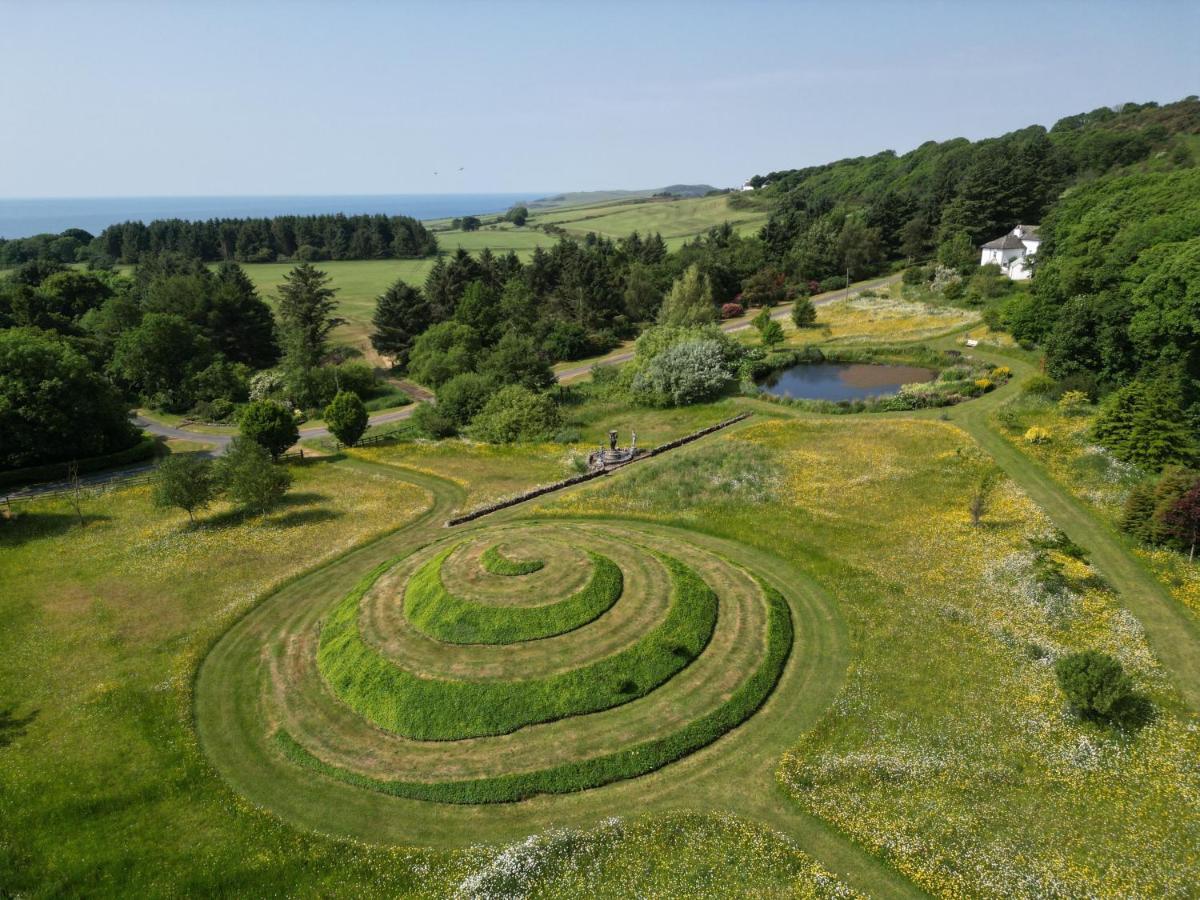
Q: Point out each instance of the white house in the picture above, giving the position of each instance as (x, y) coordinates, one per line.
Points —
(747, 186)
(1012, 252)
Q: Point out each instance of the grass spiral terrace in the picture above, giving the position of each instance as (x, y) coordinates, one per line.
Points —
(498, 564)
(446, 617)
(666, 698)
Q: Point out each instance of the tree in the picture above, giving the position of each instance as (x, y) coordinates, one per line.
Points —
(766, 287)
(184, 481)
(443, 351)
(156, 359)
(269, 424)
(346, 417)
(54, 406)
(690, 301)
(1095, 685)
(401, 313)
(772, 333)
(517, 215)
(1182, 519)
(515, 413)
(958, 252)
(1144, 423)
(859, 248)
(517, 360)
(642, 295)
(431, 420)
(246, 473)
(804, 314)
(306, 307)
(238, 321)
(1138, 513)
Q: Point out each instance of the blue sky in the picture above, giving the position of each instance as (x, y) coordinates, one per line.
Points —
(107, 98)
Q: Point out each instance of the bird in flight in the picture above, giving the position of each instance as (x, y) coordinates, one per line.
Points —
(460, 168)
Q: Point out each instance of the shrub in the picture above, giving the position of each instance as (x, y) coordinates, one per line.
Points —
(689, 372)
(1037, 435)
(804, 314)
(1001, 373)
(1038, 385)
(515, 413)
(832, 283)
(269, 424)
(462, 397)
(1095, 685)
(1073, 403)
(984, 384)
(430, 421)
(732, 310)
(346, 417)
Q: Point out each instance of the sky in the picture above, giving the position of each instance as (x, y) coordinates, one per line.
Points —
(219, 98)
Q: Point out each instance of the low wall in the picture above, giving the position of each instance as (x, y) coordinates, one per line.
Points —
(534, 493)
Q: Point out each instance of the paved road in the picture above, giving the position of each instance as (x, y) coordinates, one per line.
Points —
(731, 327)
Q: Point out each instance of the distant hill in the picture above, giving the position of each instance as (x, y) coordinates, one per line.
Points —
(582, 198)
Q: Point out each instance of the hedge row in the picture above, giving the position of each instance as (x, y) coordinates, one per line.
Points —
(536, 492)
(144, 449)
(436, 709)
(631, 762)
(498, 564)
(435, 611)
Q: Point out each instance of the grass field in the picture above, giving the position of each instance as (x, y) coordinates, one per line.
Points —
(906, 737)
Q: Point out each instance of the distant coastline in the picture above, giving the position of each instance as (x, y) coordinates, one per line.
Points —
(23, 217)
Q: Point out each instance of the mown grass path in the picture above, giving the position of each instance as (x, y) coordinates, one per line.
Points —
(735, 773)
(1170, 628)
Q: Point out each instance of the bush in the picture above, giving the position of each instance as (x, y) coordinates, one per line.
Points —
(1095, 685)
(804, 314)
(732, 310)
(462, 397)
(1037, 435)
(832, 283)
(1038, 386)
(1073, 403)
(269, 424)
(432, 421)
(515, 413)
(688, 372)
(346, 417)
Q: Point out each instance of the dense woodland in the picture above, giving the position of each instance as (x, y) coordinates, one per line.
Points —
(1114, 302)
(302, 238)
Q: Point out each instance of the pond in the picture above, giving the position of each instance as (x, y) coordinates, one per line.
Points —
(842, 381)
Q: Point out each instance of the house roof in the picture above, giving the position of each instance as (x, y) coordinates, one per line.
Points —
(1008, 242)
(1030, 230)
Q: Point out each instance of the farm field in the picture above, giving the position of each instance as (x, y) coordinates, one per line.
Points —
(360, 282)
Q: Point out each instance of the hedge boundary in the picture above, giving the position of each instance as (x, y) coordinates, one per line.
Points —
(631, 762)
(145, 448)
(436, 612)
(541, 490)
(438, 709)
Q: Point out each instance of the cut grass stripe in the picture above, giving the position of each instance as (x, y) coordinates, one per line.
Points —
(631, 762)
(432, 709)
(498, 564)
(435, 611)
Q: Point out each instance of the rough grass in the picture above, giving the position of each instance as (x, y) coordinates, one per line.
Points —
(498, 564)
(440, 709)
(444, 617)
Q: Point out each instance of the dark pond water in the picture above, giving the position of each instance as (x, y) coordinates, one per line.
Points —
(842, 381)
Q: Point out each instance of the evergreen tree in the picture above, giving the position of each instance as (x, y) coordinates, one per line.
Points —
(306, 307)
(401, 313)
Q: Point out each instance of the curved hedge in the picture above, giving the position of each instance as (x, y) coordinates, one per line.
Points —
(629, 762)
(438, 613)
(498, 564)
(435, 709)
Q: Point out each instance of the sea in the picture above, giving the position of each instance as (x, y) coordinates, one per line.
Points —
(22, 217)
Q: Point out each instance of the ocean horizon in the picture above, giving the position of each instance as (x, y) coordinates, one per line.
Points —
(26, 216)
